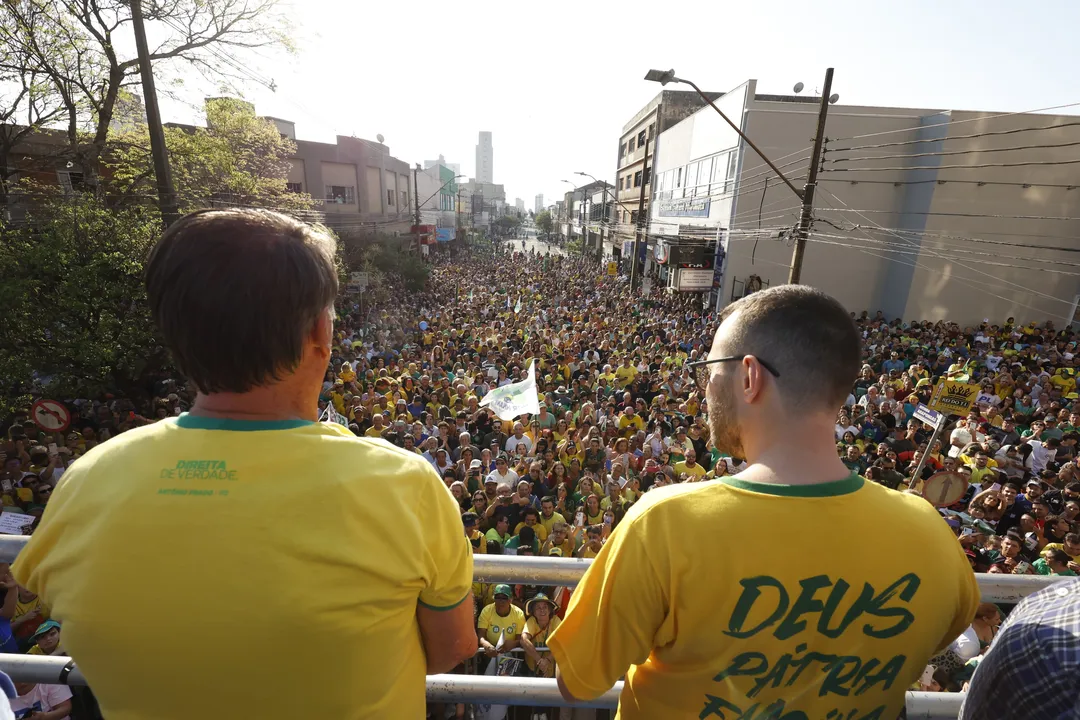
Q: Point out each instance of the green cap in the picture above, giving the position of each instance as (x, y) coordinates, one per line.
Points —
(502, 590)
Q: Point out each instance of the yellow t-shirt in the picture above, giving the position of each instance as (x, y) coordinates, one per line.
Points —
(539, 638)
(303, 576)
(625, 375)
(539, 529)
(495, 624)
(696, 471)
(841, 628)
(1061, 547)
(549, 523)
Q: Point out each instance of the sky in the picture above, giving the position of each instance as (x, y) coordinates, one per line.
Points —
(556, 81)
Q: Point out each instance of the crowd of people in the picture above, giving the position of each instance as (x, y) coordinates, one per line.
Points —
(621, 413)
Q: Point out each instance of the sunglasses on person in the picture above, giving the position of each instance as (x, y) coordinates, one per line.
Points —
(703, 373)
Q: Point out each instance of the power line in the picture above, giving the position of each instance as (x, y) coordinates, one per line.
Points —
(945, 181)
(947, 214)
(965, 238)
(958, 167)
(957, 122)
(956, 137)
(921, 250)
(952, 152)
(911, 242)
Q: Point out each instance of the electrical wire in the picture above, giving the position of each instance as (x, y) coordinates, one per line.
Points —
(952, 152)
(944, 181)
(945, 214)
(922, 250)
(956, 137)
(967, 267)
(957, 167)
(944, 237)
(957, 122)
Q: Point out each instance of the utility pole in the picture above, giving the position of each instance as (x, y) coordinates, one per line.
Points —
(811, 184)
(640, 229)
(166, 194)
(416, 203)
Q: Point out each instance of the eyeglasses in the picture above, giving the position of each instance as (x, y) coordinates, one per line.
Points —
(702, 372)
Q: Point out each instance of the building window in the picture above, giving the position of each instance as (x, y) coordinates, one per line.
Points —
(651, 130)
(647, 176)
(390, 198)
(404, 198)
(641, 138)
(637, 179)
(633, 217)
(294, 187)
(630, 145)
(341, 194)
(622, 151)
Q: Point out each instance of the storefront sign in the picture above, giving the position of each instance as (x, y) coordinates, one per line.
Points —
(685, 207)
(694, 280)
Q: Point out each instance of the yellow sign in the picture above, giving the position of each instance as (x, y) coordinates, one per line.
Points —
(954, 398)
(613, 268)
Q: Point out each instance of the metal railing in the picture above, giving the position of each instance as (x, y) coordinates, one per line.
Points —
(534, 692)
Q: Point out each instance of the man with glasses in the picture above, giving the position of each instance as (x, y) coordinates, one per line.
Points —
(727, 634)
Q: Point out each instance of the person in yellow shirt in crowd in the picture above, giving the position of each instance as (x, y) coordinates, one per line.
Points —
(346, 374)
(541, 622)
(500, 624)
(630, 422)
(560, 539)
(719, 635)
(46, 639)
(378, 426)
(625, 373)
(478, 540)
(244, 300)
(548, 517)
(690, 467)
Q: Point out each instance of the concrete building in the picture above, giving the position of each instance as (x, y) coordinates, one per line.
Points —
(437, 189)
(485, 158)
(921, 213)
(519, 204)
(632, 169)
(583, 216)
(484, 201)
(455, 167)
(538, 203)
(364, 189)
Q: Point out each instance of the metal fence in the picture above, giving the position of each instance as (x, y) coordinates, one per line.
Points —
(534, 692)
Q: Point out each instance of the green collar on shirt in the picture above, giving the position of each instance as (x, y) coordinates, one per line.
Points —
(830, 489)
(199, 422)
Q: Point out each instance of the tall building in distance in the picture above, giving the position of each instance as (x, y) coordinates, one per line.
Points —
(485, 159)
(519, 204)
(539, 204)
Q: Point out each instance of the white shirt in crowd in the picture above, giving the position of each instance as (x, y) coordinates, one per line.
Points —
(512, 443)
(1040, 455)
(510, 478)
(42, 699)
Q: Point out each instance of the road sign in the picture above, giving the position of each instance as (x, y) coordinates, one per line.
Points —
(944, 488)
(50, 416)
(927, 415)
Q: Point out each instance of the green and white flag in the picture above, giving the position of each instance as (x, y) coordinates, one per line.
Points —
(517, 308)
(516, 399)
(330, 415)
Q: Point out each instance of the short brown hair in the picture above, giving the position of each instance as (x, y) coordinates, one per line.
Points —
(235, 292)
(807, 336)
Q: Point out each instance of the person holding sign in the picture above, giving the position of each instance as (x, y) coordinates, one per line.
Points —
(838, 630)
(247, 523)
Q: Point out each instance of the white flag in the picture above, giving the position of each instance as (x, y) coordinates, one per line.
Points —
(517, 308)
(331, 415)
(515, 399)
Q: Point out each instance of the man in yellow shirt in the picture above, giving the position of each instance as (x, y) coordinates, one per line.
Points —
(839, 631)
(690, 467)
(625, 373)
(248, 503)
(500, 624)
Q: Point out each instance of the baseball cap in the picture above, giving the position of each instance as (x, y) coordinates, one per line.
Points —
(44, 628)
(475, 464)
(502, 590)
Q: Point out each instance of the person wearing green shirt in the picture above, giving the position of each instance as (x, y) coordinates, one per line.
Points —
(524, 540)
(501, 532)
(1054, 562)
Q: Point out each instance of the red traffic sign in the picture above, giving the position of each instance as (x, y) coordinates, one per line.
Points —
(944, 488)
(50, 416)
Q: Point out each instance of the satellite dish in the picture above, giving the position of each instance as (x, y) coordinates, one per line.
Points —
(798, 88)
(379, 137)
(833, 98)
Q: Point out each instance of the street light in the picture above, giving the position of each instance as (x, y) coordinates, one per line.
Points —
(668, 76)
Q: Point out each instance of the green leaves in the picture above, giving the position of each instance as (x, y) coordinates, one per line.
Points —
(76, 308)
(544, 222)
